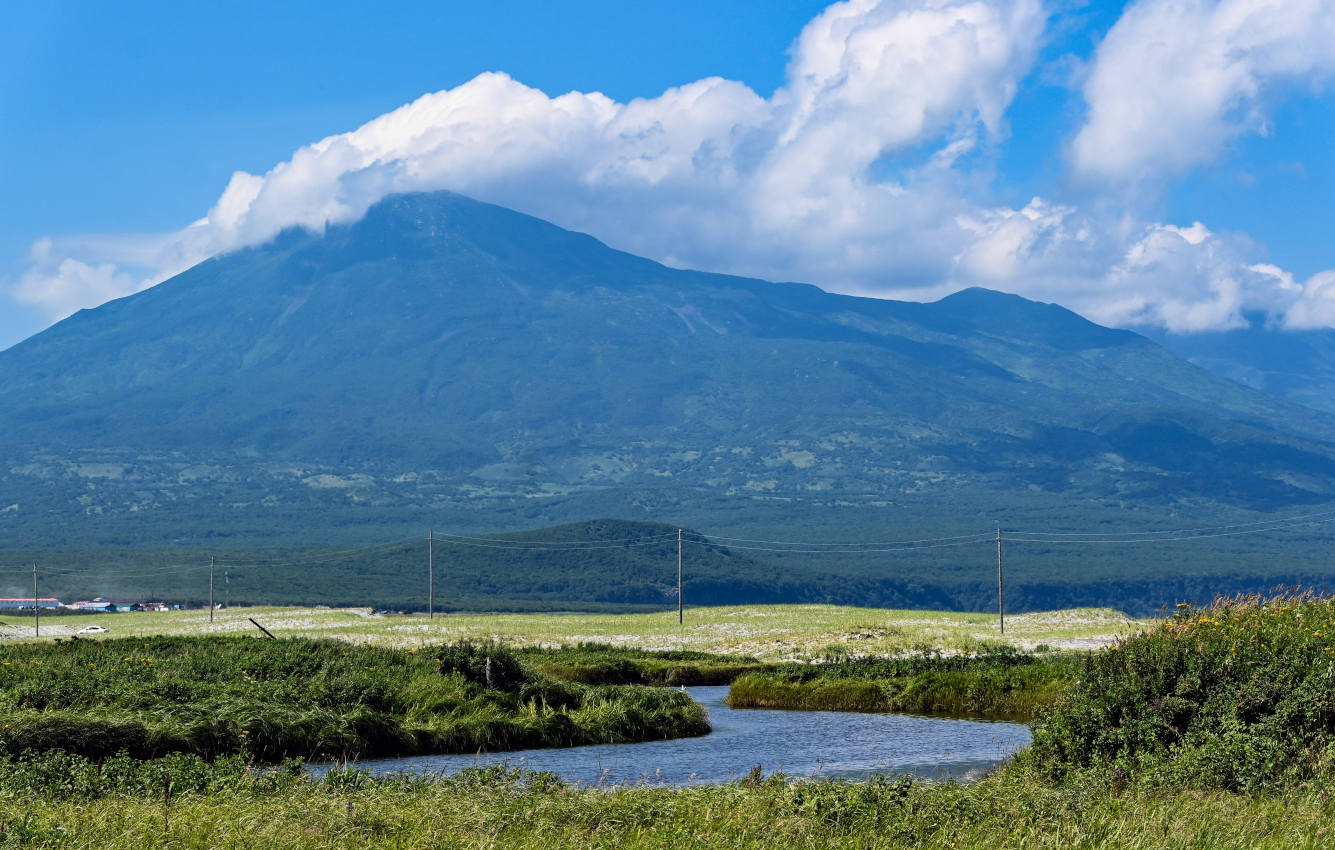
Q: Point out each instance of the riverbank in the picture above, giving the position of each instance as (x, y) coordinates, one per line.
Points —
(802, 744)
(310, 699)
(996, 683)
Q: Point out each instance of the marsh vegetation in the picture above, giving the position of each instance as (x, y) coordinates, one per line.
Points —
(311, 699)
(1213, 729)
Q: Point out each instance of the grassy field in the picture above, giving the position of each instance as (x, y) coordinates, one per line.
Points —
(1215, 729)
(766, 632)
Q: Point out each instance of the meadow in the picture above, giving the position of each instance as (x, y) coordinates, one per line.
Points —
(1211, 729)
(764, 632)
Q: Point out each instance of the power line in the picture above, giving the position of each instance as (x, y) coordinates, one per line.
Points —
(980, 539)
(170, 569)
(314, 557)
(1326, 516)
(868, 543)
(501, 539)
(554, 548)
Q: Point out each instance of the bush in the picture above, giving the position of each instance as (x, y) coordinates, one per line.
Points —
(1237, 695)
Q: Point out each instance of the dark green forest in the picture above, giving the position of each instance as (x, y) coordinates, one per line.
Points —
(615, 565)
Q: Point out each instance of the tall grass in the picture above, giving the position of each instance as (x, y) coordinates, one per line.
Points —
(604, 664)
(66, 802)
(309, 698)
(995, 683)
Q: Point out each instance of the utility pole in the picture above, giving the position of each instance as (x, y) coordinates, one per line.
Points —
(431, 574)
(211, 560)
(681, 601)
(36, 609)
(1001, 598)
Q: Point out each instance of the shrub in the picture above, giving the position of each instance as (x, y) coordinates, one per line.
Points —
(1237, 695)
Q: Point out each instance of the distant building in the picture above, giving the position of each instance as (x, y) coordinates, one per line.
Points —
(22, 603)
(103, 605)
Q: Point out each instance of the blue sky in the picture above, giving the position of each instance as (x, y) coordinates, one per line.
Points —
(1159, 163)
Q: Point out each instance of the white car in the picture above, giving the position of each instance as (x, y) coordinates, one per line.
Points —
(93, 630)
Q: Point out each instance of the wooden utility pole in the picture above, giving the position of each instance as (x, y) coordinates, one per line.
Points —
(1001, 597)
(430, 573)
(681, 601)
(211, 560)
(36, 609)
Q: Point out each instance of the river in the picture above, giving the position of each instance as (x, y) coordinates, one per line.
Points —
(828, 744)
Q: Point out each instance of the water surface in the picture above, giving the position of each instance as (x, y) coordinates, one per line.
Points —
(829, 744)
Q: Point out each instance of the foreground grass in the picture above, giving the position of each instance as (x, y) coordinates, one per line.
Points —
(312, 699)
(494, 809)
(765, 632)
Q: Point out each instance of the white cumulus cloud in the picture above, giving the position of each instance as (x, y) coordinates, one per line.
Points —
(712, 175)
(1175, 80)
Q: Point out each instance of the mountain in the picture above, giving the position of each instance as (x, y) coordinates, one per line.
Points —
(451, 362)
(1295, 365)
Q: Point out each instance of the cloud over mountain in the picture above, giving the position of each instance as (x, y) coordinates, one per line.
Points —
(853, 175)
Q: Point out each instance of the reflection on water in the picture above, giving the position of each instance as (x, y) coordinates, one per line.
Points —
(827, 744)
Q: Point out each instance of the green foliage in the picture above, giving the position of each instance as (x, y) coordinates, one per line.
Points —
(488, 664)
(1236, 695)
(997, 682)
(601, 664)
(308, 699)
(615, 574)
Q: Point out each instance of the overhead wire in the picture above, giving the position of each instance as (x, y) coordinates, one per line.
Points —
(1130, 541)
(591, 547)
(1320, 516)
(730, 547)
(501, 539)
(981, 534)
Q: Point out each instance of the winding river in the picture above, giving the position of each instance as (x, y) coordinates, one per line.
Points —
(817, 744)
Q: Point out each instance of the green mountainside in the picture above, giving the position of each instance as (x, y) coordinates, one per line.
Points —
(1295, 365)
(450, 363)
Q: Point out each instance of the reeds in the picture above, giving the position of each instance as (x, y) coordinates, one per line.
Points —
(311, 699)
(996, 683)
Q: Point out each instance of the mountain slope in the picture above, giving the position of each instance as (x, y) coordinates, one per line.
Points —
(447, 360)
(1295, 365)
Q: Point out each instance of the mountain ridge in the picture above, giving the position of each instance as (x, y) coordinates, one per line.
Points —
(451, 359)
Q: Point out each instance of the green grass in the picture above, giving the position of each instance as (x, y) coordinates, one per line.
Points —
(996, 683)
(63, 802)
(1213, 730)
(299, 697)
(601, 664)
